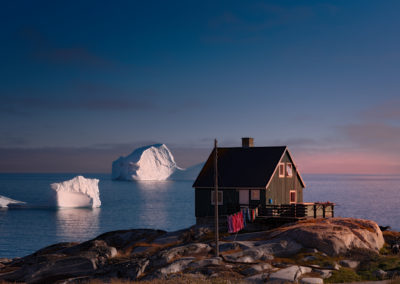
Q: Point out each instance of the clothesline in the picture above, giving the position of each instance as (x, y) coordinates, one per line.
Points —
(237, 221)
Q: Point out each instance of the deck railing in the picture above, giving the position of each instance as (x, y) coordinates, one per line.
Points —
(299, 210)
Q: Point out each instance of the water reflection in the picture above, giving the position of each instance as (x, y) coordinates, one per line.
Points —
(154, 197)
(77, 223)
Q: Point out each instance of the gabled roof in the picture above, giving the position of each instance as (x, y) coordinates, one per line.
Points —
(240, 167)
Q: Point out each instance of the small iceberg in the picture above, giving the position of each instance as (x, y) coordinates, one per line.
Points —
(77, 192)
(5, 201)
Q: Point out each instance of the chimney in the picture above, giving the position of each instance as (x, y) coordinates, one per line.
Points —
(247, 142)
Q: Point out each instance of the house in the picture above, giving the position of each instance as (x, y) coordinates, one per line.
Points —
(248, 176)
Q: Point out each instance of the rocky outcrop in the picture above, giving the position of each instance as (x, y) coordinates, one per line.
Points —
(149, 254)
(334, 236)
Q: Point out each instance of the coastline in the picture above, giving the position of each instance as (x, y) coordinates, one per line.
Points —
(308, 249)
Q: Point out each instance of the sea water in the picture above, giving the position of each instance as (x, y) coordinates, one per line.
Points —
(164, 205)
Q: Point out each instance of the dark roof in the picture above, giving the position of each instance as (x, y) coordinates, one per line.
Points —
(241, 167)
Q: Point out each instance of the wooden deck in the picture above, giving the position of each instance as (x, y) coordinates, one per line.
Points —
(299, 210)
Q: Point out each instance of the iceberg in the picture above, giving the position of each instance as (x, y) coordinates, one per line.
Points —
(189, 173)
(152, 162)
(77, 192)
(5, 201)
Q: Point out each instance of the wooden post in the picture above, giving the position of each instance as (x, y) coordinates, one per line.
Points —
(315, 211)
(333, 209)
(323, 211)
(216, 199)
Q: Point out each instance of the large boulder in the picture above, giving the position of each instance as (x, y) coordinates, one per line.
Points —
(333, 236)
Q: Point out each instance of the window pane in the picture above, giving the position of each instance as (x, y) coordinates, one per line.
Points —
(255, 195)
(281, 170)
(220, 197)
(293, 196)
(289, 169)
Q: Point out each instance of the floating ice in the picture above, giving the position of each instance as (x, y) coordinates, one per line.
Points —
(190, 173)
(153, 162)
(77, 192)
(5, 201)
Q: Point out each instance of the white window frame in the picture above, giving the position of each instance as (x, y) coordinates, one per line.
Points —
(220, 197)
(257, 194)
(290, 197)
(289, 165)
(281, 173)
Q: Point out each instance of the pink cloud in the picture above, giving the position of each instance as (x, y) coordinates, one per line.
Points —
(347, 162)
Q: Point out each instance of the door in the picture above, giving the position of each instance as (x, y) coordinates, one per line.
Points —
(243, 197)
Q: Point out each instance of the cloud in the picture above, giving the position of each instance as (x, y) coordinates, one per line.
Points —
(12, 105)
(92, 159)
(389, 110)
(45, 50)
(80, 56)
(91, 97)
(377, 136)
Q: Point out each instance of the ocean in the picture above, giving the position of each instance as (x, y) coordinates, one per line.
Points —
(167, 205)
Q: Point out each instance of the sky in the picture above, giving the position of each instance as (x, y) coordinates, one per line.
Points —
(84, 82)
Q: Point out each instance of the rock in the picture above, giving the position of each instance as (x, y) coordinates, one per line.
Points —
(132, 269)
(124, 239)
(325, 273)
(206, 262)
(266, 251)
(176, 266)
(169, 254)
(258, 278)
(309, 258)
(243, 245)
(257, 268)
(49, 272)
(97, 250)
(334, 266)
(198, 232)
(291, 273)
(4, 260)
(380, 274)
(349, 263)
(334, 236)
(309, 280)
(310, 250)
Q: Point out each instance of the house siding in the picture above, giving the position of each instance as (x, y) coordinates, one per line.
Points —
(203, 206)
(279, 188)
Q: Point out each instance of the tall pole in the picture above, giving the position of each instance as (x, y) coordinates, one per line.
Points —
(216, 198)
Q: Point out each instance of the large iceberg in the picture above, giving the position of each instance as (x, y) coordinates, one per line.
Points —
(5, 201)
(153, 162)
(77, 192)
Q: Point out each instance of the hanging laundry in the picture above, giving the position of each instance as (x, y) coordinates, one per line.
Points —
(248, 214)
(230, 227)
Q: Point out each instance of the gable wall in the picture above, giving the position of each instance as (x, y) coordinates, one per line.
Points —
(279, 188)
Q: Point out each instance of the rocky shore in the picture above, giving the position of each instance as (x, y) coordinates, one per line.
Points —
(311, 251)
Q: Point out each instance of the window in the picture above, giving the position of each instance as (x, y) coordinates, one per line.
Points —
(243, 197)
(220, 197)
(289, 171)
(255, 195)
(281, 170)
(292, 196)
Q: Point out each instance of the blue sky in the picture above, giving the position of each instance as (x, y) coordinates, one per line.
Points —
(83, 82)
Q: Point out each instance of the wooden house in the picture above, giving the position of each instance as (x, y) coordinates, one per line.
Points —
(248, 176)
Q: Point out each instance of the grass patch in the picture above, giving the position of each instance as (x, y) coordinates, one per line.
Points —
(343, 275)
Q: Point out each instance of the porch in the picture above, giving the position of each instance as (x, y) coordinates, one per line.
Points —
(298, 210)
